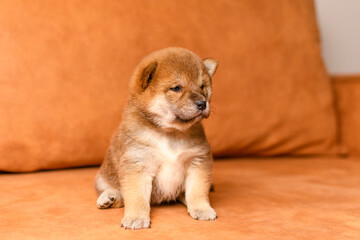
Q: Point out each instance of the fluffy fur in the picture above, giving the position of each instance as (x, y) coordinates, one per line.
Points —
(160, 152)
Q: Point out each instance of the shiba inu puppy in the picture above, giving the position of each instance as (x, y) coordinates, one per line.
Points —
(160, 152)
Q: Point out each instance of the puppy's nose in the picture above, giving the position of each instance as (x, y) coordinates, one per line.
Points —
(201, 105)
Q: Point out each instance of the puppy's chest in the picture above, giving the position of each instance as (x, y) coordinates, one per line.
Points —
(172, 161)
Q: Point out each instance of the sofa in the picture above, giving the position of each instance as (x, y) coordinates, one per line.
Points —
(285, 134)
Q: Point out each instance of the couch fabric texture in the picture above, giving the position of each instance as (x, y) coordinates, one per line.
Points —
(278, 198)
(64, 71)
(347, 96)
(65, 66)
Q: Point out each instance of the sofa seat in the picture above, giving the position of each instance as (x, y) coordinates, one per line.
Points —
(272, 198)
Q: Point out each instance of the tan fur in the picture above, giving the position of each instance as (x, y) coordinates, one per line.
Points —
(160, 152)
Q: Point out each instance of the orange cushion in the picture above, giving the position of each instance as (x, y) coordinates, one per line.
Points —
(278, 199)
(65, 70)
(347, 91)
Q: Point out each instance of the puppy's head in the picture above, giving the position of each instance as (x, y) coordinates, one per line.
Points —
(172, 88)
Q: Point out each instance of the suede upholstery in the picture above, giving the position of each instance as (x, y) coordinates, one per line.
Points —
(65, 67)
(278, 198)
(64, 70)
(347, 94)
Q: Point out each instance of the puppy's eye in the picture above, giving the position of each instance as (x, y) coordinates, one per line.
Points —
(176, 89)
(202, 86)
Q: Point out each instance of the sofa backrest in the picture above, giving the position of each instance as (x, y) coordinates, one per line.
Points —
(65, 66)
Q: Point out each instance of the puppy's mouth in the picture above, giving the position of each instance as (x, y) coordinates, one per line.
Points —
(189, 120)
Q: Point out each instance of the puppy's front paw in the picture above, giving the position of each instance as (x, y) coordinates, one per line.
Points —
(203, 214)
(135, 223)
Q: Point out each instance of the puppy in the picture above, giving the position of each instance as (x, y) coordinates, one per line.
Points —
(160, 152)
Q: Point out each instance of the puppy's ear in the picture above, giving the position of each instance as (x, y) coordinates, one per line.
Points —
(148, 74)
(211, 65)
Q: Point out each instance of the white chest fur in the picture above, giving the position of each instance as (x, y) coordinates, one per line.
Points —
(170, 176)
(168, 153)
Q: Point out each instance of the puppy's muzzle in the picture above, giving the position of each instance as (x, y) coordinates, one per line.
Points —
(201, 105)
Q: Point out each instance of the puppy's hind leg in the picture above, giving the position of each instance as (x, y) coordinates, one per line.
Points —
(109, 196)
(110, 199)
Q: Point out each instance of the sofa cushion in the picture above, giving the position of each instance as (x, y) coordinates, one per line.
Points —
(65, 67)
(347, 94)
(314, 198)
